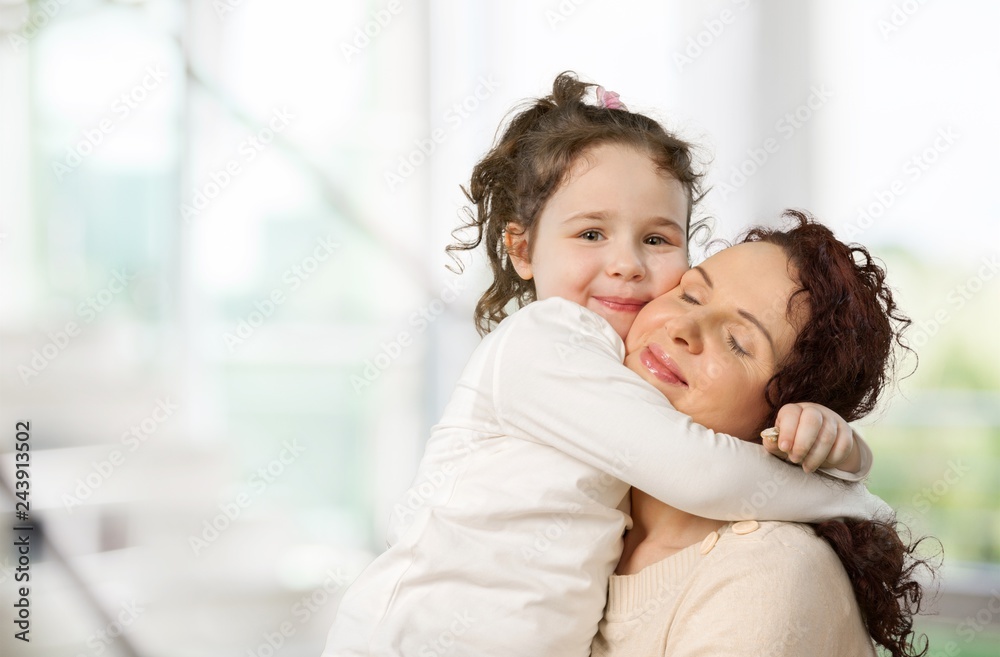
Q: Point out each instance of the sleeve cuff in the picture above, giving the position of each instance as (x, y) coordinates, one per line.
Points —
(867, 458)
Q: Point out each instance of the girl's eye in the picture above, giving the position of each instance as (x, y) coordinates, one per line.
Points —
(657, 240)
(687, 298)
(591, 235)
(736, 348)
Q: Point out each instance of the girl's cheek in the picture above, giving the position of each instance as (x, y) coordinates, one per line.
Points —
(670, 275)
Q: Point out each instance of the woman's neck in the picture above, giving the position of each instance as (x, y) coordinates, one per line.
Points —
(659, 531)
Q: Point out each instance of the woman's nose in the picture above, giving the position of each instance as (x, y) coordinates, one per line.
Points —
(686, 330)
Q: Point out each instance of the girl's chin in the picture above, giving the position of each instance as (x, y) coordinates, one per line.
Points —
(620, 326)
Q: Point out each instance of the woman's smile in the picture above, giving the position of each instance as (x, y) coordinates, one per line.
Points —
(661, 365)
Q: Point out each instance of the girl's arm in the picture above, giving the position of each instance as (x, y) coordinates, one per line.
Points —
(559, 380)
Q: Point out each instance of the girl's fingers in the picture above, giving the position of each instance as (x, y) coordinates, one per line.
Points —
(822, 448)
(843, 446)
(787, 423)
(769, 439)
(806, 434)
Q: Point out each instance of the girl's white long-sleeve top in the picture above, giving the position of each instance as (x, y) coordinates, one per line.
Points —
(505, 542)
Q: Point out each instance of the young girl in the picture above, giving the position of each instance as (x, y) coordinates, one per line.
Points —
(506, 540)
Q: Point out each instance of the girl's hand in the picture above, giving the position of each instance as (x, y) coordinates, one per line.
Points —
(814, 436)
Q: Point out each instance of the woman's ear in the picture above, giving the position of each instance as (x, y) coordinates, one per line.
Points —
(515, 241)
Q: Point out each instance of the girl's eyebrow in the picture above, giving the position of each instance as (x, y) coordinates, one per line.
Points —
(743, 313)
(668, 222)
(601, 215)
(592, 215)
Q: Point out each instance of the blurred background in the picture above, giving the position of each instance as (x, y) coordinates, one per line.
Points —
(225, 310)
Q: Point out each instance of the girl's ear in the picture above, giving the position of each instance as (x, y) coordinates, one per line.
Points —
(515, 241)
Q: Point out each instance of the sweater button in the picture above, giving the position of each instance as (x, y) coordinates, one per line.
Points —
(709, 542)
(745, 527)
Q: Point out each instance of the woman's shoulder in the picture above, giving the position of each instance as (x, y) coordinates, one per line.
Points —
(783, 561)
(786, 565)
(795, 542)
(779, 587)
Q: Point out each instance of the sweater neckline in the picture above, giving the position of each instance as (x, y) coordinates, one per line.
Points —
(635, 594)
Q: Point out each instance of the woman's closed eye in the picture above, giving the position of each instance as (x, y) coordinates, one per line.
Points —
(736, 348)
(687, 298)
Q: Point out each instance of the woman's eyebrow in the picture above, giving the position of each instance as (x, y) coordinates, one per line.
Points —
(743, 313)
(756, 322)
(704, 275)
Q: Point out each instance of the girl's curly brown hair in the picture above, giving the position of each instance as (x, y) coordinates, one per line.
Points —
(843, 358)
(528, 163)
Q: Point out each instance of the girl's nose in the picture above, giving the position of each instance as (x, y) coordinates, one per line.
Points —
(626, 263)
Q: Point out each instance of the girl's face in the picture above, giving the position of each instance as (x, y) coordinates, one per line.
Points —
(712, 344)
(612, 238)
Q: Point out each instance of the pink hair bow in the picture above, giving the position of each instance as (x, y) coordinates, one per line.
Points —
(609, 99)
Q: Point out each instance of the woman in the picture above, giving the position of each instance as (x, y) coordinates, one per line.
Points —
(783, 315)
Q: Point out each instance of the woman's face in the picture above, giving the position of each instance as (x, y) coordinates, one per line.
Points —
(712, 343)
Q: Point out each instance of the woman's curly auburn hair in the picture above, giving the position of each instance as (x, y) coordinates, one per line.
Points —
(843, 358)
(529, 162)
(845, 352)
